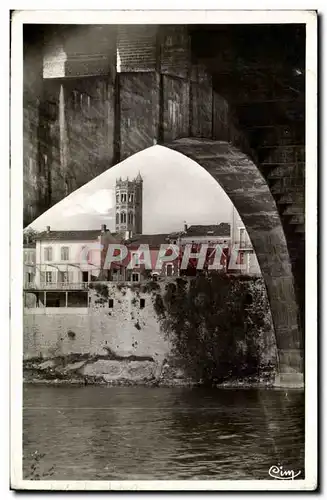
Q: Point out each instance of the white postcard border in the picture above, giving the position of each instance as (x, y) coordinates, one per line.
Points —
(16, 220)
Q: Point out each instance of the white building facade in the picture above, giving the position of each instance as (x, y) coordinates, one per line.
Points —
(241, 242)
(65, 263)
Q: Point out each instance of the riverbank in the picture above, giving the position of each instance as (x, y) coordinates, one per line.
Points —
(80, 370)
(229, 384)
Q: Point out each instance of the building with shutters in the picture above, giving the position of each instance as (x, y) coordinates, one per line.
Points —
(65, 262)
(238, 255)
(143, 262)
(195, 236)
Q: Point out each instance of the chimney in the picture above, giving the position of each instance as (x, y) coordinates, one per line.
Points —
(48, 229)
(185, 227)
(103, 228)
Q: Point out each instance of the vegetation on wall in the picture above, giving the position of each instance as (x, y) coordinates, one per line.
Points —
(150, 286)
(101, 289)
(216, 325)
(29, 236)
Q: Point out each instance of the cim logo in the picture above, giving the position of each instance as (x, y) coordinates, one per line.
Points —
(278, 472)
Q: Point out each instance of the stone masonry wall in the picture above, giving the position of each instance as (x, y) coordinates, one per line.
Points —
(120, 338)
(125, 328)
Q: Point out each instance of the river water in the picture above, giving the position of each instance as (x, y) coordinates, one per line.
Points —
(130, 433)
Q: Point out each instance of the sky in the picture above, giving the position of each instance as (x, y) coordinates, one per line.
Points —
(175, 190)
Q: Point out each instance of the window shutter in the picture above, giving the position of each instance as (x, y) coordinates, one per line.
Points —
(64, 253)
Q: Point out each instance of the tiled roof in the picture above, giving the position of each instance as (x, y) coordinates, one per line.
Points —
(81, 235)
(153, 240)
(222, 229)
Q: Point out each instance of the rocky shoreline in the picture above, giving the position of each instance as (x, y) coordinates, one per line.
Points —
(173, 383)
(82, 370)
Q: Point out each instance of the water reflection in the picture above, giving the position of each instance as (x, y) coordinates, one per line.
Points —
(91, 433)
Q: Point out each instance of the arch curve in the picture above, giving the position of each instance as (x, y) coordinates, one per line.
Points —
(244, 184)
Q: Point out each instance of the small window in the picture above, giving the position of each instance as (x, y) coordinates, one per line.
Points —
(29, 257)
(64, 253)
(135, 259)
(242, 237)
(111, 303)
(48, 277)
(169, 269)
(135, 277)
(142, 303)
(48, 253)
(63, 276)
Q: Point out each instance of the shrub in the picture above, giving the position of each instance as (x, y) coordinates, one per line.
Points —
(159, 305)
(101, 289)
(216, 325)
(150, 286)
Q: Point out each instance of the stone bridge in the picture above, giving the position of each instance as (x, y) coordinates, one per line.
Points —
(94, 95)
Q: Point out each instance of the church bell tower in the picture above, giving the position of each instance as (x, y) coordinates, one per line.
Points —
(129, 196)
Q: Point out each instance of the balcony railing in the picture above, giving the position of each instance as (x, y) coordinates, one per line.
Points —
(57, 286)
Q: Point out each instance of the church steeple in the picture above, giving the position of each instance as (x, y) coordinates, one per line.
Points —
(129, 205)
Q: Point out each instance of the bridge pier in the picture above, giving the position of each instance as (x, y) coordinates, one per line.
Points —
(244, 184)
(291, 369)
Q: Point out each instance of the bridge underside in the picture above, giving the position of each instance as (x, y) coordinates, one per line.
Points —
(248, 190)
(108, 94)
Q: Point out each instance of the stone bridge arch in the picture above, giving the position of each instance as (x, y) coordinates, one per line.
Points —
(246, 187)
(98, 95)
